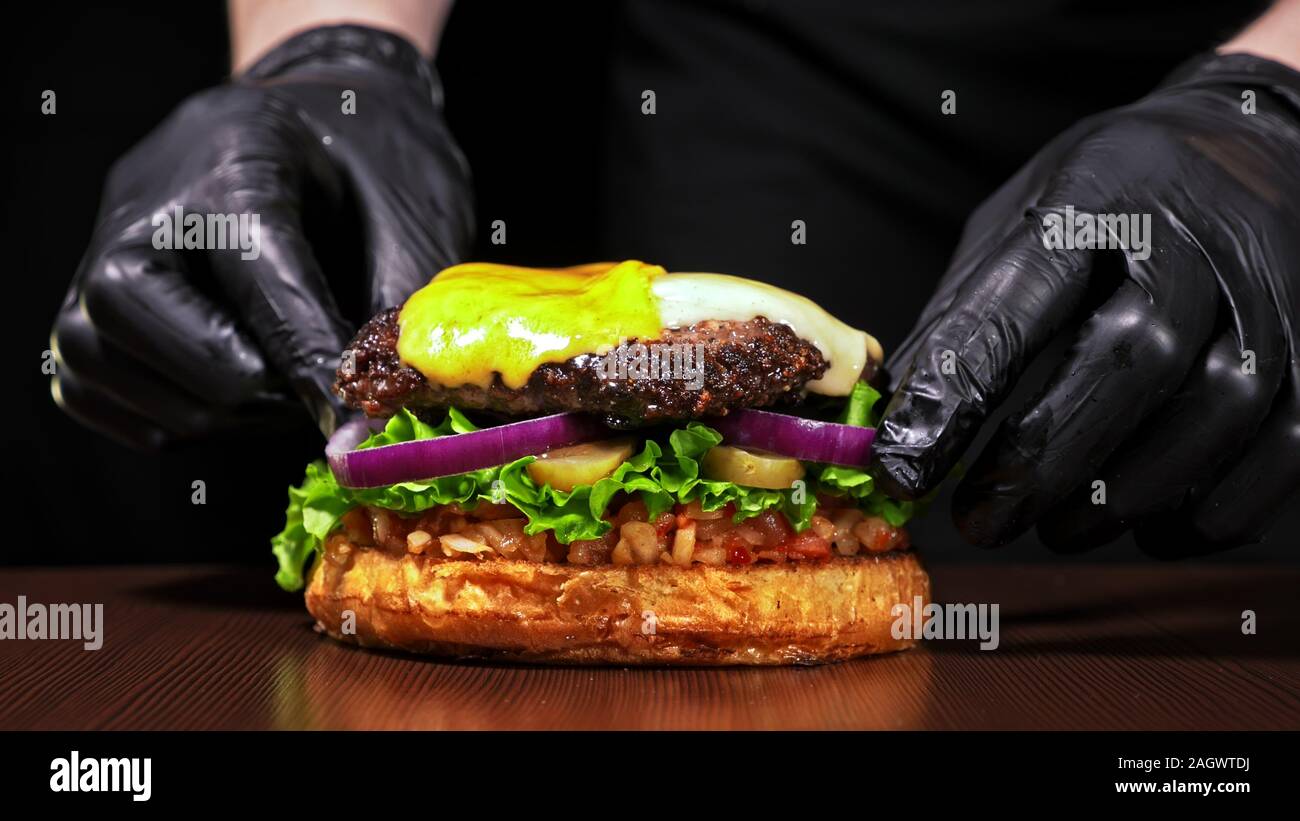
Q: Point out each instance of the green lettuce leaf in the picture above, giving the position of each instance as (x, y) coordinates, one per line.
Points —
(660, 478)
(679, 475)
(579, 513)
(314, 508)
(316, 505)
(405, 426)
(859, 410)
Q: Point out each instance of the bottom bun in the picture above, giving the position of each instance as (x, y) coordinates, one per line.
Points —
(791, 613)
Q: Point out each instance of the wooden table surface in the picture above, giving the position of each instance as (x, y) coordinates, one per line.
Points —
(1082, 647)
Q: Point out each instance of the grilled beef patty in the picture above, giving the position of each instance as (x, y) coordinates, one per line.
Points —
(746, 364)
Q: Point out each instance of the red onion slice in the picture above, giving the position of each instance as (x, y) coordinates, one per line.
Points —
(804, 439)
(452, 454)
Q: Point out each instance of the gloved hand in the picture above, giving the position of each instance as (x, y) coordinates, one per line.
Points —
(1181, 391)
(154, 345)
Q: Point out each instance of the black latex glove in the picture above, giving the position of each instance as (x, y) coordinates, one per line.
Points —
(1196, 452)
(155, 345)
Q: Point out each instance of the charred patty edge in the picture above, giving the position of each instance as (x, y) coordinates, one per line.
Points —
(752, 363)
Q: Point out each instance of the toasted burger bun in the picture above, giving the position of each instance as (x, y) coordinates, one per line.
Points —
(792, 613)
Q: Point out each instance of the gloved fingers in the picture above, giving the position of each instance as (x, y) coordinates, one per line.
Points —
(1223, 402)
(417, 210)
(408, 180)
(104, 414)
(1128, 359)
(1002, 316)
(99, 366)
(284, 299)
(408, 239)
(972, 252)
(1251, 494)
(899, 361)
(275, 280)
(988, 225)
(142, 299)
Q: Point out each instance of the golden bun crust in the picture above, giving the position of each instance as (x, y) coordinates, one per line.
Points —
(761, 614)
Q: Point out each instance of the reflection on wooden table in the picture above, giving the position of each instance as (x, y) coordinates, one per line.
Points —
(1082, 647)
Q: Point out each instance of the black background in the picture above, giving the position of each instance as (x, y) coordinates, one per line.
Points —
(766, 113)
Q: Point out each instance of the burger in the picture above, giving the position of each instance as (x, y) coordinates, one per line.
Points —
(607, 463)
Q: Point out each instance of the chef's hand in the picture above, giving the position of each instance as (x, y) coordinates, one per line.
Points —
(1181, 390)
(343, 124)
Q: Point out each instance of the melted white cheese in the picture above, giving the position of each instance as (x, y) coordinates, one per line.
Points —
(687, 298)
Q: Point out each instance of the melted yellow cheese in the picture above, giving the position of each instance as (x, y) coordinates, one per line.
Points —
(476, 320)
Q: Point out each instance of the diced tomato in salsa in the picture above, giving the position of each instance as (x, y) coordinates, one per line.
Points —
(738, 551)
(809, 545)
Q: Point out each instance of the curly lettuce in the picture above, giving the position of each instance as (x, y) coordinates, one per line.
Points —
(659, 477)
(316, 505)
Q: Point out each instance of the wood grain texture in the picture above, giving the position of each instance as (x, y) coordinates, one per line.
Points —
(1082, 647)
